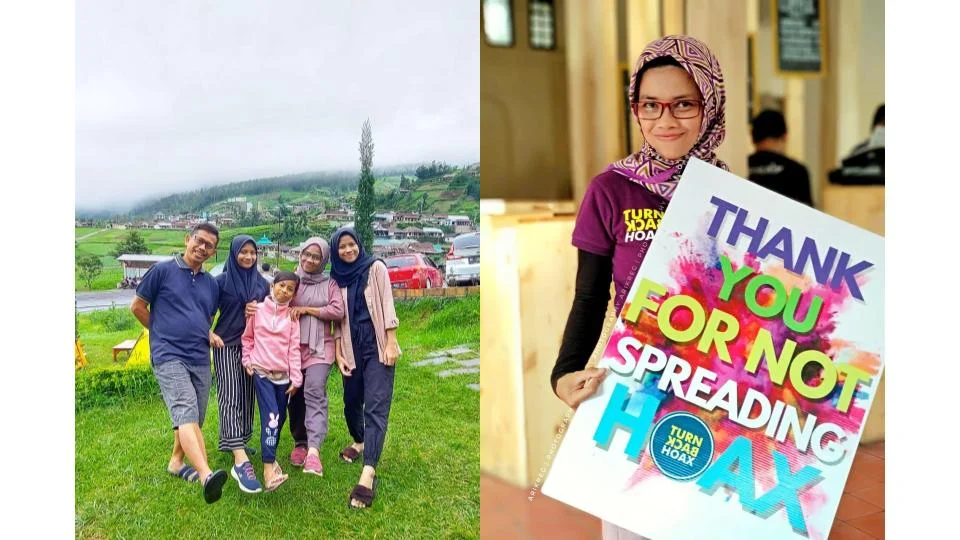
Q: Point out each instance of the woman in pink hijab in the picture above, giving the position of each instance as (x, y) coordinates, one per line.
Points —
(317, 303)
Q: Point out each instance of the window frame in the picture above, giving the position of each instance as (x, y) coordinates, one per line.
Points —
(553, 25)
(512, 25)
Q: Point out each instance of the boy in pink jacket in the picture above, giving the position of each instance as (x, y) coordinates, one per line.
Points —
(271, 354)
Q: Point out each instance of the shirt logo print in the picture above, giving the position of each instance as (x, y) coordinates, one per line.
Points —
(641, 223)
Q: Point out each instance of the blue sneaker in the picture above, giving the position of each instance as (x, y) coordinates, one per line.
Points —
(246, 477)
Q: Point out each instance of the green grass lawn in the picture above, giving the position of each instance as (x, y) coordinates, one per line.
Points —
(429, 472)
(107, 280)
(386, 184)
(101, 330)
(425, 325)
(83, 231)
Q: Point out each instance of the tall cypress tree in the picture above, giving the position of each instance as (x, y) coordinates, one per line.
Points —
(363, 218)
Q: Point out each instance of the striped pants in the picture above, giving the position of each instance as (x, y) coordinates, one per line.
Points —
(234, 398)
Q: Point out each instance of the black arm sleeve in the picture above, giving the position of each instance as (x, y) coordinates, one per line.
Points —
(585, 322)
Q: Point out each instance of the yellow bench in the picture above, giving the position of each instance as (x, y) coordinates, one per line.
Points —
(125, 346)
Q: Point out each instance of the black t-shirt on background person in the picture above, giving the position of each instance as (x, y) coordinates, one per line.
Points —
(781, 174)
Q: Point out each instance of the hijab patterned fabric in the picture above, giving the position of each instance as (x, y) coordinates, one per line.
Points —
(647, 167)
(314, 292)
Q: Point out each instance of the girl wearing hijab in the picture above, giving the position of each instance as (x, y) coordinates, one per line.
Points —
(241, 287)
(367, 351)
(677, 97)
(317, 303)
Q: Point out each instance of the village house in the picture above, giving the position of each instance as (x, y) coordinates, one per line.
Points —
(406, 217)
(384, 247)
(426, 248)
(380, 231)
(432, 233)
(410, 233)
(439, 219)
(337, 215)
(305, 207)
(135, 266)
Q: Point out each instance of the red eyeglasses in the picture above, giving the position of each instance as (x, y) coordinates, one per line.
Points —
(649, 109)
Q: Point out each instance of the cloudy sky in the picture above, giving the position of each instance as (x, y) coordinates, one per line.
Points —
(176, 95)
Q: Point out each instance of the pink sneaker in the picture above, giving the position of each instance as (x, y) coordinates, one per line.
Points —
(312, 465)
(298, 455)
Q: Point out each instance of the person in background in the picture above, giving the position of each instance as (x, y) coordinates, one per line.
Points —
(266, 272)
(770, 167)
(876, 133)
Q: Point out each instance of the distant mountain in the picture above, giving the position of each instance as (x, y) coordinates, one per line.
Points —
(197, 200)
(432, 187)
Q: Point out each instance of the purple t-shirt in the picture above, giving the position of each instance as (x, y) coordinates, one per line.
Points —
(618, 218)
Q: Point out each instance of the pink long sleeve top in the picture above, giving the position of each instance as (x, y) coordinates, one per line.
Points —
(271, 342)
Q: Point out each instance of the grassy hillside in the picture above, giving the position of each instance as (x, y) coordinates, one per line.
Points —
(160, 242)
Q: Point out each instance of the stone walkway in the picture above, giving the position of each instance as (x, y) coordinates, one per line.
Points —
(458, 362)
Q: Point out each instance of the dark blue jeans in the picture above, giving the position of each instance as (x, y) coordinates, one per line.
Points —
(368, 394)
(272, 401)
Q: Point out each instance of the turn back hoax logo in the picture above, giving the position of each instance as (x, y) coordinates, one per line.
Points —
(641, 223)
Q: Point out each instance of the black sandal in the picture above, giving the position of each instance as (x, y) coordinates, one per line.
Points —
(213, 486)
(363, 494)
(350, 454)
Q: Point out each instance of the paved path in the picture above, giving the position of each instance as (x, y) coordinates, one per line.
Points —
(459, 362)
(100, 300)
(88, 235)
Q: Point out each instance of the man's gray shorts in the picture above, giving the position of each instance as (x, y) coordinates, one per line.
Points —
(185, 389)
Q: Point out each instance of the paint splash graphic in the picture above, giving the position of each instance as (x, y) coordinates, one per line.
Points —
(696, 272)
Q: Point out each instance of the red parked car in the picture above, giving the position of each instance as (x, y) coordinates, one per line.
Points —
(413, 271)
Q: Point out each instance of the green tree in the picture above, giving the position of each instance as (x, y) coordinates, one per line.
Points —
(131, 244)
(473, 189)
(89, 267)
(282, 214)
(363, 219)
(296, 226)
(323, 229)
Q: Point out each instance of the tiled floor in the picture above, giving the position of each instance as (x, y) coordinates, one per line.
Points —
(506, 512)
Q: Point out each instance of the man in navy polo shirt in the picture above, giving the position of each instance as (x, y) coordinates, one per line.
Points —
(182, 300)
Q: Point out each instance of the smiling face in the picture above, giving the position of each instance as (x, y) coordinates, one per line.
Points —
(671, 137)
(247, 257)
(200, 246)
(311, 258)
(283, 291)
(348, 249)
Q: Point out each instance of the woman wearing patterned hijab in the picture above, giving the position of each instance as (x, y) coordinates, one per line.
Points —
(318, 302)
(676, 96)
